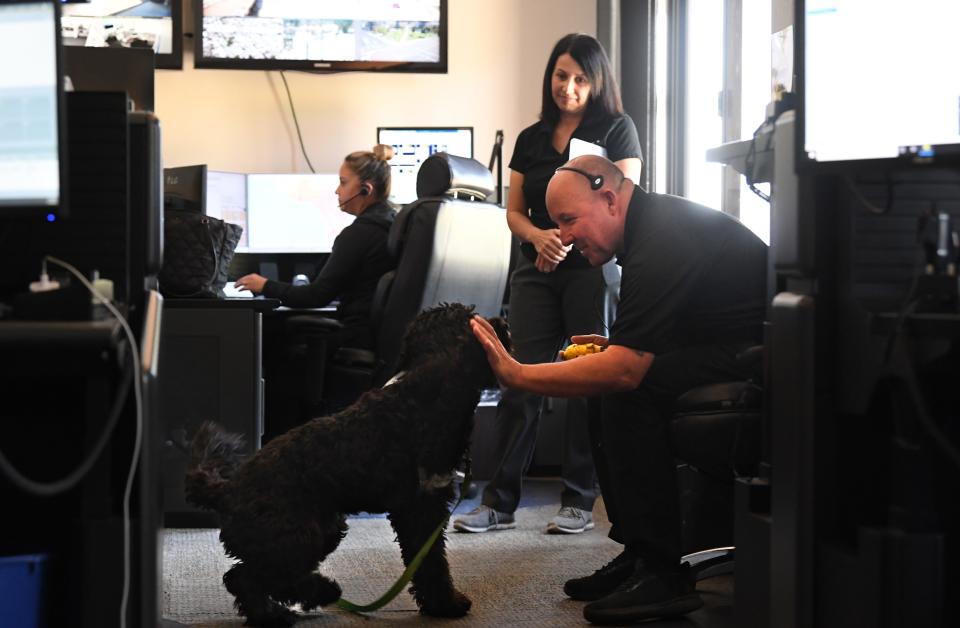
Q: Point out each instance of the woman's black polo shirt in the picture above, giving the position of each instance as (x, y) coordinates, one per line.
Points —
(691, 276)
(536, 159)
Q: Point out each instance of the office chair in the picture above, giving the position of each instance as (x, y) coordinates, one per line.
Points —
(717, 431)
(450, 246)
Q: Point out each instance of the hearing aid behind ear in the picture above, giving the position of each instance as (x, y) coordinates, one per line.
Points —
(596, 180)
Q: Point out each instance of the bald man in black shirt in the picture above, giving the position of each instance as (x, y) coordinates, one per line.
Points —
(692, 296)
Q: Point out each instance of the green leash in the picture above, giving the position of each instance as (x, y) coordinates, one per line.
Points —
(411, 569)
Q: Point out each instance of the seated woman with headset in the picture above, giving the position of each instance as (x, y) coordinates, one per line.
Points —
(359, 256)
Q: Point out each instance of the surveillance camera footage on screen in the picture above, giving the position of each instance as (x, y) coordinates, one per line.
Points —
(323, 30)
(119, 24)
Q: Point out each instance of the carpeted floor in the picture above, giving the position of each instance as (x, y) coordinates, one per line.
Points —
(514, 577)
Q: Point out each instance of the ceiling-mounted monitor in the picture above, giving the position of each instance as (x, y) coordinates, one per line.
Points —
(151, 24)
(877, 83)
(32, 139)
(322, 35)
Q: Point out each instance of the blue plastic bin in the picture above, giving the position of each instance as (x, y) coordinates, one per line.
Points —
(22, 591)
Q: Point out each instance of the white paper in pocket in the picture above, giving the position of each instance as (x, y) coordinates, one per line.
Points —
(579, 147)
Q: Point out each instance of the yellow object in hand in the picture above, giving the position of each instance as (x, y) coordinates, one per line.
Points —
(575, 351)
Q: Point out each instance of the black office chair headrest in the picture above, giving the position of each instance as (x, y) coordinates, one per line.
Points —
(443, 174)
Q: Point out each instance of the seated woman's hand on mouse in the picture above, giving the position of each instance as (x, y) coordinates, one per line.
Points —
(252, 282)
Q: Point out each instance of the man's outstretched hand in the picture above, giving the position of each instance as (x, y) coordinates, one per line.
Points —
(504, 366)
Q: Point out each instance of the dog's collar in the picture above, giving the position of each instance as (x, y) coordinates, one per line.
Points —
(396, 378)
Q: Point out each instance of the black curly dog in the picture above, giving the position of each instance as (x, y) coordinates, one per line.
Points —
(284, 509)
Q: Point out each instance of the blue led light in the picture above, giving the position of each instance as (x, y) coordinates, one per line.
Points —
(51, 217)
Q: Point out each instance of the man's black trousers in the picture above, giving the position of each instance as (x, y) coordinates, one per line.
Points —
(632, 452)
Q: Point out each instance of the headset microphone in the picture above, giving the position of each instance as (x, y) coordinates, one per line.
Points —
(351, 198)
(364, 191)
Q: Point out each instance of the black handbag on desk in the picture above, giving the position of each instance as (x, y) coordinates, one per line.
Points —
(197, 251)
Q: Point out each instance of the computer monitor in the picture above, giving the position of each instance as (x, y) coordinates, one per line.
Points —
(185, 188)
(32, 121)
(412, 145)
(293, 213)
(145, 24)
(875, 83)
(226, 199)
(128, 70)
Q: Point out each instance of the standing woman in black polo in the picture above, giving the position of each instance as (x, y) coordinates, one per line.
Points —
(359, 256)
(554, 292)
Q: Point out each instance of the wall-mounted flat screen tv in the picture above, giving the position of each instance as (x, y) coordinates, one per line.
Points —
(153, 24)
(322, 35)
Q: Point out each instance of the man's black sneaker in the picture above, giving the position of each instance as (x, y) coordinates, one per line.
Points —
(647, 594)
(603, 581)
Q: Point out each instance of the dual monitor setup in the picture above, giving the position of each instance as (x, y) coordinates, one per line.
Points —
(299, 213)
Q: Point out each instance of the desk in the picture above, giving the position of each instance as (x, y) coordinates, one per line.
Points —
(210, 370)
(292, 368)
(58, 381)
(942, 325)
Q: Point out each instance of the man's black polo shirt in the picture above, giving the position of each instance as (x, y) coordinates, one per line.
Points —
(536, 159)
(691, 276)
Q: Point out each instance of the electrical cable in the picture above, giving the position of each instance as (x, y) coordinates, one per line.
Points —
(138, 436)
(909, 377)
(751, 155)
(870, 207)
(909, 304)
(926, 421)
(296, 123)
(50, 489)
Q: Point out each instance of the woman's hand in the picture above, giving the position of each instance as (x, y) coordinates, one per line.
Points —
(252, 282)
(544, 265)
(549, 247)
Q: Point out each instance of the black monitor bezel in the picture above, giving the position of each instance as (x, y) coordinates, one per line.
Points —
(60, 209)
(175, 200)
(319, 67)
(804, 164)
(173, 60)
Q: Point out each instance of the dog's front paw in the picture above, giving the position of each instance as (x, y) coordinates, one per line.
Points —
(277, 616)
(324, 591)
(457, 605)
